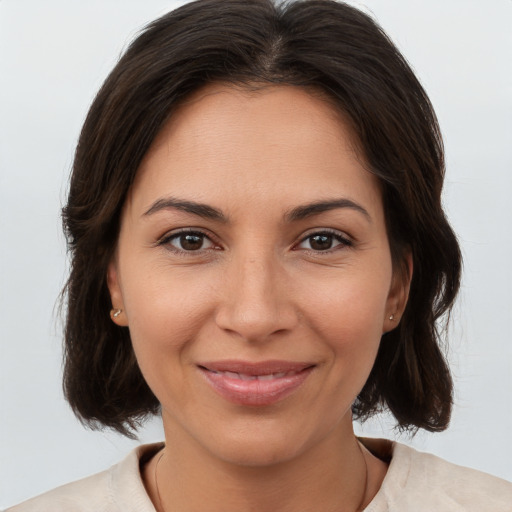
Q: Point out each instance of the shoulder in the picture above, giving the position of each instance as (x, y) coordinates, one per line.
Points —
(423, 482)
(88, 494)
(117, 489)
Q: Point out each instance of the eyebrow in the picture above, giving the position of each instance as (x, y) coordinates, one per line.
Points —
(199, 209)
(209, 212)
(311, 209)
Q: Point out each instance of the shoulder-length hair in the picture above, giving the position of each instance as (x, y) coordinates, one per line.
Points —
(320, 44)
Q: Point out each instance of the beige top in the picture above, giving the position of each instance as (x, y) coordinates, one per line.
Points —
(415, 482)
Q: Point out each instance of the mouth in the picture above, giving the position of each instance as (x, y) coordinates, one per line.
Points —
(255, 384)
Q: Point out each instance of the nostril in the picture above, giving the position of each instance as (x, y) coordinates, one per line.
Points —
(257, 324)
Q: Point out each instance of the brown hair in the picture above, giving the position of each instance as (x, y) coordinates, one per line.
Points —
(322, 44)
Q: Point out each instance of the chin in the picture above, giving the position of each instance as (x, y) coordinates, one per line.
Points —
(256, 454)
(260, 444)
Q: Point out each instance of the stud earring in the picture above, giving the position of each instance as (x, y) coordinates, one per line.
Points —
(115, 312)
(391, 317)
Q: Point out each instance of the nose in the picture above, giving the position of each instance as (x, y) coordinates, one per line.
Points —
(257, 299)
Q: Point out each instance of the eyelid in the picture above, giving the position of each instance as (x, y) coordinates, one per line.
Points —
(169, 235)
(344, 239)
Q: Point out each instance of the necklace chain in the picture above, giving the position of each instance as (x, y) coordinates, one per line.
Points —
(360, 507)
(361, 504)
(160, 508)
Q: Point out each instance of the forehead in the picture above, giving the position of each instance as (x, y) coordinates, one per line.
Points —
(283, 141)
(256, 107)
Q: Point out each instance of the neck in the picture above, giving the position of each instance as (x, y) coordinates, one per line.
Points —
(336, 476)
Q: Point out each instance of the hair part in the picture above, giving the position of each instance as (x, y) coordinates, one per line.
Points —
(320, 45)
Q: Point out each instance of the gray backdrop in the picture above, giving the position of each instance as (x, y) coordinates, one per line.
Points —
(53, 57)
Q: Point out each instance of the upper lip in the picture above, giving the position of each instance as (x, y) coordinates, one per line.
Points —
(256, 368)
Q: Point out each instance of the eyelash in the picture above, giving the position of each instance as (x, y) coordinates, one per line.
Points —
(344, 241)
(166, 241)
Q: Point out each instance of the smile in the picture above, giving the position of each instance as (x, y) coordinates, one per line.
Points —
(244, 376)
(255, 384)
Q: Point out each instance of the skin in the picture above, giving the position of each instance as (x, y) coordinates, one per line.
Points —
(257, 287)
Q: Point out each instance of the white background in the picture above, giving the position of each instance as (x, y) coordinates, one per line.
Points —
(55, 54)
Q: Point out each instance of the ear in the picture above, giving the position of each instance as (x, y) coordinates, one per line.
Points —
(117, 313)
(398, 293)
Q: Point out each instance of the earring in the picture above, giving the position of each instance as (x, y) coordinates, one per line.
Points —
(115, 312)
(391, 317)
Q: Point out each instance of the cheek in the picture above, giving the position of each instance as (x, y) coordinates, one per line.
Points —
(164, 315)
(347, 317)
(163, 303)
(354, 306)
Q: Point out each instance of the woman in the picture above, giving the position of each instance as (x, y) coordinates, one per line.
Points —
(256, 200)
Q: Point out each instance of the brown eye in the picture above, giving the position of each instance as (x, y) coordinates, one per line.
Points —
(324, 241)
(190, 241)
(321, 242)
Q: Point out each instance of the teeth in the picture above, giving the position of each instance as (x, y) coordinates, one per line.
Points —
(243, 376)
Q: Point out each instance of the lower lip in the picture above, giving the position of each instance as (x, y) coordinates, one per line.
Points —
(255, 392)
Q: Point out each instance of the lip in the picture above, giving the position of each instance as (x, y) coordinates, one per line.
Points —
(255, 383)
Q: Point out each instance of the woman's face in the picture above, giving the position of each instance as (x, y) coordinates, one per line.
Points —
(254, 273)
